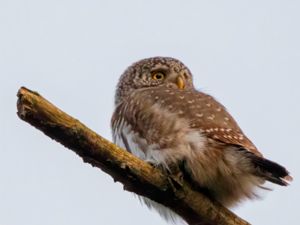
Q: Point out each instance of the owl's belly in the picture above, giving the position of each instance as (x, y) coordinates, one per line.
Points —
(222, 170)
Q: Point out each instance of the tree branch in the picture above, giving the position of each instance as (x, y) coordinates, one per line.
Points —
(136, 175)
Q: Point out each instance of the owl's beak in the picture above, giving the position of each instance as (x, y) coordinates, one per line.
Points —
(180, 82)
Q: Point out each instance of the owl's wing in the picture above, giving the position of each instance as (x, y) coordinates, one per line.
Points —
(211, 118)
(223, 128)
(232, 137)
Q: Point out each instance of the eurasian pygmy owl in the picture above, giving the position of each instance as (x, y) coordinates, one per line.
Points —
(161, 118)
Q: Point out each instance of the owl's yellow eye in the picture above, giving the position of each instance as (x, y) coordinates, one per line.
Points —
(158, 76)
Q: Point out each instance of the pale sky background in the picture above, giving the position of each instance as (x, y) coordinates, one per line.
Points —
(245, 53)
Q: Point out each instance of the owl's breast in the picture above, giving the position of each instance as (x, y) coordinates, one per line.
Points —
(125, 137)
(153, 132)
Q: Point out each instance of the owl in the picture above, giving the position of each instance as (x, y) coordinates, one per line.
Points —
(163, 119)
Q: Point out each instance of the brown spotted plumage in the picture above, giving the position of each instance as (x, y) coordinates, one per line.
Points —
(162, 118)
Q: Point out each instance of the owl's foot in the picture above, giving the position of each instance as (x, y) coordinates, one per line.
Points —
(171, 171)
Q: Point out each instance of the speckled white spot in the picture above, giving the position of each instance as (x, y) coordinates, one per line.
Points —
(219, 109)
(211, 117)
(199, 114)
(181, 96)
(156, 97)
(228, 130)
(209, 130)
(191, 101)
(226, 118)
(208, 105)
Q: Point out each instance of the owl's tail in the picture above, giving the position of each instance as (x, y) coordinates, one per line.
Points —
(270, 170)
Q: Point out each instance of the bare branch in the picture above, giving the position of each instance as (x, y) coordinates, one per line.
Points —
(136, 175)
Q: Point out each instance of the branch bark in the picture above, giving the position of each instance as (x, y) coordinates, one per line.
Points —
(136, 175)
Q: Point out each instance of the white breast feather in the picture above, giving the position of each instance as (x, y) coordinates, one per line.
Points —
(126, 132)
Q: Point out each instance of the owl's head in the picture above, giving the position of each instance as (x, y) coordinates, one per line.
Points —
(165, 72)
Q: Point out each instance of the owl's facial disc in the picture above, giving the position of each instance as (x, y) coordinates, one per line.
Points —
(180, 82)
